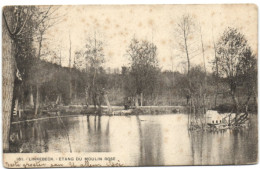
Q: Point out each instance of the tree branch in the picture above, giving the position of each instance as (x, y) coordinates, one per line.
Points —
(21, 29)
(8, 29)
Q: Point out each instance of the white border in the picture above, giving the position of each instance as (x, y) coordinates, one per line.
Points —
(81, 2)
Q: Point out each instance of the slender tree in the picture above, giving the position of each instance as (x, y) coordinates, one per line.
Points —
(94, 56)
(216, 70)
(46, 20)
(185, 32)
(70, 82)
(205, 75)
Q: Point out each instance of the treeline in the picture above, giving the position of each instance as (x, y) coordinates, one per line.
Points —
(40, 84)
(169, 88)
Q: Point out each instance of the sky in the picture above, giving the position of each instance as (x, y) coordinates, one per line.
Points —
(117, 25)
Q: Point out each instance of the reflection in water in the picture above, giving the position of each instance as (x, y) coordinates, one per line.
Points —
(29, 137)
(144, 139)
(90, 134)
(150, 143)
(224, 147)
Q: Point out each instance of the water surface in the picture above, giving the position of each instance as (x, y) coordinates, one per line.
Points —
(147, 139)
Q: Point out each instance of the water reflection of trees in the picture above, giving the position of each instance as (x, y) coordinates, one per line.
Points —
(97, 138)
(29, 138)
(223, 147)
(34, 137)
(150, 144)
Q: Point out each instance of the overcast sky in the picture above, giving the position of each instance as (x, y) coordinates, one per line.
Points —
(117, 25)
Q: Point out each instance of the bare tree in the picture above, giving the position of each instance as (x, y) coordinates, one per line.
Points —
(46, 20)
(185, 33)
(184, 30)
(80, 60)
(94, 56)
(70, 82)
(205, 76)
(216, 70)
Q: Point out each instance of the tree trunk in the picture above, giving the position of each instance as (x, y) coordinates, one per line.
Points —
(37, 102)
(8, 68)
(75, 90)
(255, 99)
(235, 100)
(205, 78)
(37, 86)
(136, 101)
(86, 95)
(70, 83)
(108, 104)
(94, 97)
(31, 97)
(71, 88)
(141, 99)
(216, 98)
(247, 101)
(216, 62)
(58, 100)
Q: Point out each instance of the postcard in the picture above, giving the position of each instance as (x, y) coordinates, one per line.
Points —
(129, 85)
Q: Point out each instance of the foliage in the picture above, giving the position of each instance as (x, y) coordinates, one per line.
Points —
(144, 67)
(90, 60)
(236, 62)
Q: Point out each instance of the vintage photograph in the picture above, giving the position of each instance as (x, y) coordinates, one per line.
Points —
(129, 85)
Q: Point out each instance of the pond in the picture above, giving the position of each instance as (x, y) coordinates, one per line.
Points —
(146, 139)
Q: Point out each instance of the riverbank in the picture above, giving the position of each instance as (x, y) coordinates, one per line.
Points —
(74, 110)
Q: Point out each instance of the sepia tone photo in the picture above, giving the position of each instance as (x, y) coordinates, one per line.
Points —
(129, 85)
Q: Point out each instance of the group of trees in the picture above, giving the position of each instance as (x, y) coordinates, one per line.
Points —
(24, 28)
(90, 60)
(140, 78)
(234, 66)
(31, 81)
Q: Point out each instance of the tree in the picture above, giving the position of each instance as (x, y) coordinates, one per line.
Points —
(216, 70)
(204, 86)
(235, 62)
(94, 56)
(44, 19)
(70, 81)
(249, 75)
(21, 24)
(144, 66)
(185, 32)
(15, 22)
(198, 87)
(80, 60)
